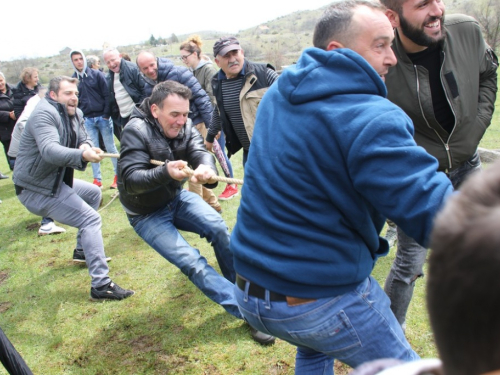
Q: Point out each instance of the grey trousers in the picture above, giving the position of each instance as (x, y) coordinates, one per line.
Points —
(410, 257)
(76, 207)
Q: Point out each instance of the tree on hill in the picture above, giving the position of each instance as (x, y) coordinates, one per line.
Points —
(152, 40)
(174, 39)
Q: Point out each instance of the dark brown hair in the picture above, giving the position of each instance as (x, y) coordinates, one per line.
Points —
(463, 286)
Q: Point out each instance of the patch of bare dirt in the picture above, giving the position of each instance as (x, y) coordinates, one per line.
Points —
(4, 275)
(33, 226)
(4, 306)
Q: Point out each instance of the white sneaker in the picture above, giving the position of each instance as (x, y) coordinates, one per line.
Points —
(50, 228)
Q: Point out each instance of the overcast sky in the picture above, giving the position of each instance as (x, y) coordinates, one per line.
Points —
(42, 28)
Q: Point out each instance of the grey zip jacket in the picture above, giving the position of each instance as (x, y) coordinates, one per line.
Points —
(44, 150)
(469, 77)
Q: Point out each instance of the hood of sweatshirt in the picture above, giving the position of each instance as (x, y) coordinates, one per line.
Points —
(319, 73)
(202, 63)
(83, 72)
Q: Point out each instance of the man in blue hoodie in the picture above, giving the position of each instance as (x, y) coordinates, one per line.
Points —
(303, 261)
(94, 103)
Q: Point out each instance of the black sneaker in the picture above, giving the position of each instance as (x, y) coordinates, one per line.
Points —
(79, 256)
(109, 291)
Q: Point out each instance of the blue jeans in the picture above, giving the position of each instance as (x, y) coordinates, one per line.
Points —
(410, 257)
(353, 328)
(188, 212)
(94, 126)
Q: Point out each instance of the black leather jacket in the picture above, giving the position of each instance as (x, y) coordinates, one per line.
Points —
(144, 187)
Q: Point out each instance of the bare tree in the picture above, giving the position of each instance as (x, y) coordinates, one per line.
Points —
(14, 68)
(487, 12)
(276, 55)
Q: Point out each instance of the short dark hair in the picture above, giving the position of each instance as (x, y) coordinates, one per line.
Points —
(335, 22)
(395, 5)
(463, 286)
(166, 88)
(55, 83)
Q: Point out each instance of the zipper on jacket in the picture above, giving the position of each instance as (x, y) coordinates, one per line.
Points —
(445, 144)
(451, 107)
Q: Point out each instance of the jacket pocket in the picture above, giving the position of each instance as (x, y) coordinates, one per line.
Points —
(249, 106)
(452, 84)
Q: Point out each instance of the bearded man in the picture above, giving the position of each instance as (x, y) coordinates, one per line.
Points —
(446, 82)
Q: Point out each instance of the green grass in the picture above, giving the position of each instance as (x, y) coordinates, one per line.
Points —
(167, 327)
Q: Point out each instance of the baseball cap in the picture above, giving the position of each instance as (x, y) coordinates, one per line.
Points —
(226, 44)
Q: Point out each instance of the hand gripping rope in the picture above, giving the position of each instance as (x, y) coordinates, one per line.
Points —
(187, 170)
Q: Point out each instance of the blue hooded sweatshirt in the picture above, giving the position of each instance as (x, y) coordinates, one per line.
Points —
(330, 159)
(93, 90)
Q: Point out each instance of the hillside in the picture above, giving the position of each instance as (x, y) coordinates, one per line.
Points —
(278, 42)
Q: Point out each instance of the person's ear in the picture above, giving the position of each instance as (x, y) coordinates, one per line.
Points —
(53, 95)
(334, 45)
(154, 110)
(393, 18)
(217, 62)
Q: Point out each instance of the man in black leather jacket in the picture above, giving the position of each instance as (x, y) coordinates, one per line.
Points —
(157, 206)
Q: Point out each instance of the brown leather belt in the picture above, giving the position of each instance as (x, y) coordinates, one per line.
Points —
(255, 290)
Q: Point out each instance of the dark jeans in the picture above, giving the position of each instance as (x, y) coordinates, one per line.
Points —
(410, 256)
(118, 125)
(10, 160)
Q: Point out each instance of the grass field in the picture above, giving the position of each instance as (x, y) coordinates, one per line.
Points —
(167, 327)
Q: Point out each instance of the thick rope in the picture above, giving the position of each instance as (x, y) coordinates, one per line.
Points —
(113, 197)
(188, 171)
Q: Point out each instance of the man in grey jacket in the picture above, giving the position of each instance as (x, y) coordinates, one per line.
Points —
(446, 81)
(53, 145)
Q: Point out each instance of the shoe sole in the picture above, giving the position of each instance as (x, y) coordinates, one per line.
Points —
(93, 299)
(267, 342)
(226, 199)
(82, 261)
(49, 233)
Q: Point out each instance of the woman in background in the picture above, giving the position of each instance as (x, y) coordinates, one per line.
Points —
(25, 89)
(93, 62)
(7, 119)
(203, 69)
